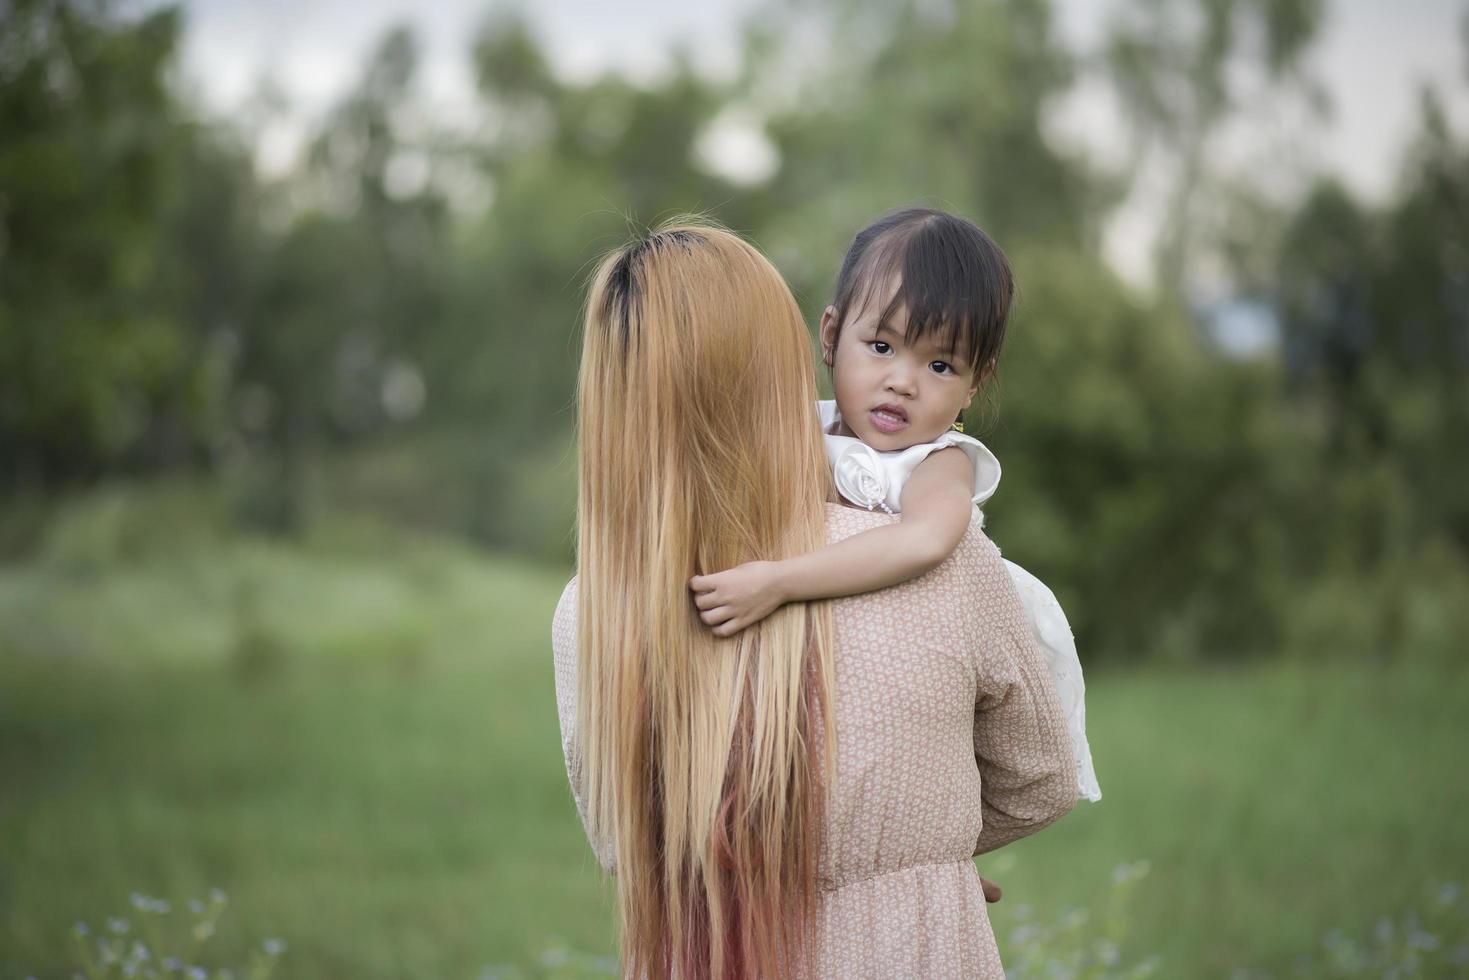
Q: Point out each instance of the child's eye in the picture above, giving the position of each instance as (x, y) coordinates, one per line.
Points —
(941, 367)
(881, 347)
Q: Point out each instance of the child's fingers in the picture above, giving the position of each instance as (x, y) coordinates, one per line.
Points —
(707, 600)
(701, 583)
(713, 617)
(730, 628)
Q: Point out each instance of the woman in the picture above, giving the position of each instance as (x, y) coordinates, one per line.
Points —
(802, 798)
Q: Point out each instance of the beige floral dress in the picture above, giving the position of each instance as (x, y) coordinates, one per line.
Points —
(950, 743)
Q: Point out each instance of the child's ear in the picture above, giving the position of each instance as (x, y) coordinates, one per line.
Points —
(828, 335)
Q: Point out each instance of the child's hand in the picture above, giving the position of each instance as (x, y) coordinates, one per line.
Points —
(742, 596)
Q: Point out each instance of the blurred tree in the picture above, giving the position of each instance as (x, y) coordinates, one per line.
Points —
(1325, 281)
(91, 150)
(913, 101)
(575, 169)
(1376, 318)
(1176, 67)
(1423, 306)
(341, 316)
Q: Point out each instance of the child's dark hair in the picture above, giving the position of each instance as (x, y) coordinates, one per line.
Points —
(953, 280)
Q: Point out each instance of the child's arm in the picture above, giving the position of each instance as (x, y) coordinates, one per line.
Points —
(936, 513)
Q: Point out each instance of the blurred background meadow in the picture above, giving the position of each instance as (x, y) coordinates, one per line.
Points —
(289, 303)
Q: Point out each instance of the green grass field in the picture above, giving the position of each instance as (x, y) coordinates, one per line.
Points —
(355, 738)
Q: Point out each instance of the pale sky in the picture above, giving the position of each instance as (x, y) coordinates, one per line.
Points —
(1373, 57)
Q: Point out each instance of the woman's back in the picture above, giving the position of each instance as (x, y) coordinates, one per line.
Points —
(950, 741)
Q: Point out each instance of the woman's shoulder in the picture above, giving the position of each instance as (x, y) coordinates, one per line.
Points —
(563, 621)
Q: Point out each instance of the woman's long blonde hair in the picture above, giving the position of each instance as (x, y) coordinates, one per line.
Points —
(699, 450)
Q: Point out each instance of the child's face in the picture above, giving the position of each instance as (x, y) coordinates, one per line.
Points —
(892, 395)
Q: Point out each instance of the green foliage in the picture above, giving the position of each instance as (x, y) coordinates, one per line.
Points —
(392, 325)
(89, 150)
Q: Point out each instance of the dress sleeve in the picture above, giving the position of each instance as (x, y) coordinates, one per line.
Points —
(1053, 633)
(1021, 742)
(563, 647)
(900, 465)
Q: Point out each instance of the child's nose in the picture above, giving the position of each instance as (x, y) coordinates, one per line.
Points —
(900, 378)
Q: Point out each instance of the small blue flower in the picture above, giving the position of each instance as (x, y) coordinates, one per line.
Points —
(80, 929)
(1418, 939)
(139, 900)
(118, 927)
(196, 906)
(274, 947)
(139, 952)
(198, 973)
(217, 896)
(172, 963)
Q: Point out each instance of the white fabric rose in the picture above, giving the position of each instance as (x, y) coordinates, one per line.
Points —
(859, 474)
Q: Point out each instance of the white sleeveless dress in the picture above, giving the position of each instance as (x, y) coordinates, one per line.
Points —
(874, 480)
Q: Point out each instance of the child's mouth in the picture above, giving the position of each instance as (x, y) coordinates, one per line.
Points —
(888, 419)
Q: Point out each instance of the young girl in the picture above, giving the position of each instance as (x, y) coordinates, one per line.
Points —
(916, 327)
